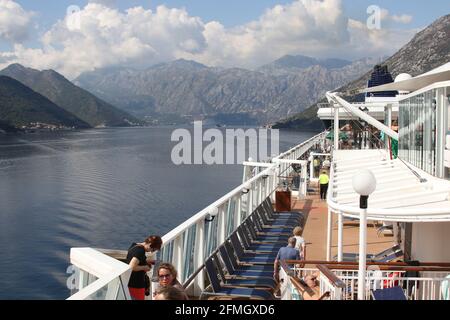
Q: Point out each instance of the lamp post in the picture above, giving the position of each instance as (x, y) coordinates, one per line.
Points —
(364, 183)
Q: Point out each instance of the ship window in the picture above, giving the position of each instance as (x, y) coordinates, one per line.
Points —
(417, 132)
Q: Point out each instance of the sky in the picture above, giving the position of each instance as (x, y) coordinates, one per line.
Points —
(232, 33)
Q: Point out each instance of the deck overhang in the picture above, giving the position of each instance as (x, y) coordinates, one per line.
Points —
(403, 194)
(439, 74)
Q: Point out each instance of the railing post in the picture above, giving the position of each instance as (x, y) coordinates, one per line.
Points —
(304, 180)
(336, 127)
(340, 236)
(82, 278)
(250, 201)
(238, 211)
(199, 256)
(260, 186)
(329, 234)
(222, 225)
(177, 258)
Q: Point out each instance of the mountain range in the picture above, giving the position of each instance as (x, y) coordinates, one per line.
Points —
(20, 106)
(429, 49)
(184, 90)
(191, 90)
(87, 108)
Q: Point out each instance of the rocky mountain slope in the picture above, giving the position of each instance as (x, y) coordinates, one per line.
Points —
(187, 88)
(69, 97)
(429, 49)
(21, 106)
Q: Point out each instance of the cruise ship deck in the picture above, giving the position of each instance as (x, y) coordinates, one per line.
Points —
(382, 233)
(315, 231)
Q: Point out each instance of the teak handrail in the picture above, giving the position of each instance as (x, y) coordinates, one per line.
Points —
(334, 280)
(426, 266)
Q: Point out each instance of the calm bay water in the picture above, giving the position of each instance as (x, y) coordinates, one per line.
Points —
(96, 188)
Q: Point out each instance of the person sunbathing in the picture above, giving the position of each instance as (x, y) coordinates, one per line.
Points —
(312, 280)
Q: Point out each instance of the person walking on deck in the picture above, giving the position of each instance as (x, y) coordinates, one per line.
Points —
(300, 244)
(326, 164)
(285, 253)
(323, 181)
(316, 165)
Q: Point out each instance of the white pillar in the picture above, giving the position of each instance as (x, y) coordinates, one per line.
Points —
(311, 168)
(238, 215)
(329, 234)
(199, 253)
(336, 128)
(221, 228)
(389, 124)
(340, 237)
(441, 132)
(362, 255)
(177, 258)
(304, 177)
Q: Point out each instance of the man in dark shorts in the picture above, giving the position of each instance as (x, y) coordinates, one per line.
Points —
(139, 264)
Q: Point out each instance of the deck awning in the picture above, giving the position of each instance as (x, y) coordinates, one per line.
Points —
(439, 74)
(400, 196)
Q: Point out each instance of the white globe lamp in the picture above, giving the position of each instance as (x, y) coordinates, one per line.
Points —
(364, 183)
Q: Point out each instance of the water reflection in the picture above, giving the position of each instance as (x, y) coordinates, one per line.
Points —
(97, 188)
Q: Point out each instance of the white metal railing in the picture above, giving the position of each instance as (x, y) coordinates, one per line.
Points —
(427, 287)
(188, 245)
(430, 285)
(98, 276)
(232, 209)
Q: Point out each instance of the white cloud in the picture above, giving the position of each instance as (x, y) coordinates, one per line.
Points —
(376, 43)
(403, 18)
(140, 37)
(14, 21)
(305, 26)
(108, 37)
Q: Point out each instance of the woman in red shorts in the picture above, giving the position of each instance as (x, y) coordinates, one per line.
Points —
(139, 264)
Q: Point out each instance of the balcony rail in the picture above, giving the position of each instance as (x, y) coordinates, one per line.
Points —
(429, 281)
(98, 276)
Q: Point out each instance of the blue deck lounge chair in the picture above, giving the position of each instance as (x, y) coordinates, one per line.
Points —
(262, 247)
(233, 267)
(220, 290)
(395, 293)
(353, 257)
(251, 257)
(251, 229)
(253, 223)
(263, 283)
(267, 204)
(256, 250)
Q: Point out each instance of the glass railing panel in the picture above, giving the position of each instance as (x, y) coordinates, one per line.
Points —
(99, 294)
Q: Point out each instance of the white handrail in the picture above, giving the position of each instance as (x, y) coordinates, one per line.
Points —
(105, 268)
(349, 107)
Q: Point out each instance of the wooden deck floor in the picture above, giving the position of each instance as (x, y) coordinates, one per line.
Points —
(315, 231)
